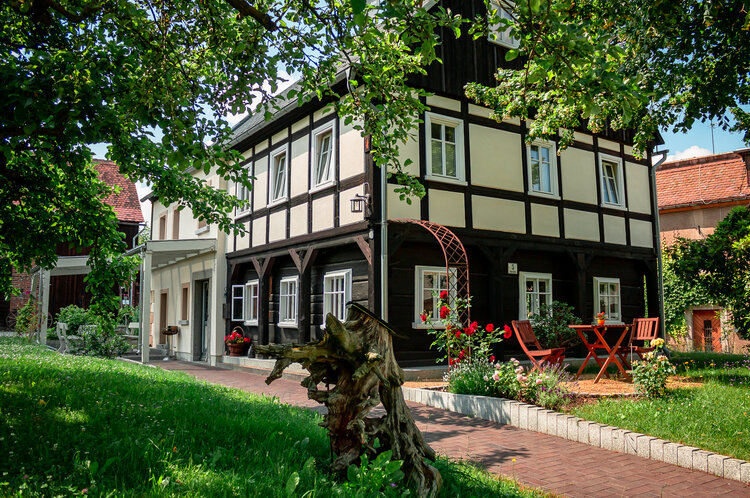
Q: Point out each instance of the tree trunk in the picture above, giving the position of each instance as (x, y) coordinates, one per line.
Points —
(356, 358)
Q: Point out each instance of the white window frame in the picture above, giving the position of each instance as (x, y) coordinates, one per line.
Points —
(285, 321)
(431, 118)
(346, 292)
(619, 180)
(523, 313)
(553, 193)
(244, 193)
(501, 38)
(597, 309)
(251, 293)
(419, 272)
(317, 133)
(241, 299)
(273, 177)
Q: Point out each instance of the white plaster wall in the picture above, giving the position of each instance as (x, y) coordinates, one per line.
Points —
(351, 150)
(322, 213)
(409, 150)
(614, 230)
(641, 233)
(298, 220)
(609, 145)
(581, 225)
(498, 214)
(495, 158)
(260, 187)
(320, 113)
(446, 208)
(275, 139)
(545, 220)
(300, 125)
(346, 216)
(300, 166)
(398, 209)
(259, 231)
(243, 240)
(444, 103)
(260, 147)
(639, 195)
(277, 226)
(578, 175)
(583, 138)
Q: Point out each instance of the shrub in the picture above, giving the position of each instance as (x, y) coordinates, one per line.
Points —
(551, 325)
(650, 375)
(101, 340)
(74, 316)
(27, 318)
(379, 477)
(127, 314)
(472, 377)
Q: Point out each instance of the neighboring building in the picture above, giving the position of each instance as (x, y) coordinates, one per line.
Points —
(694, 196)
(536, 226)
(64, 285)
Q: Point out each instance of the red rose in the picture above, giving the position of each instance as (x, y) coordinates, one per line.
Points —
(468, 331)
(473, 327)
(423, 317)
(508, 332)
(450, 362)
(247, 339)
(458, 334)
(492, 359)
(489, 327)
(461, 355)
(444, 311)
(443, 295)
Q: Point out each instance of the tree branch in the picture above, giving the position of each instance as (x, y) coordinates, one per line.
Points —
(248, 10)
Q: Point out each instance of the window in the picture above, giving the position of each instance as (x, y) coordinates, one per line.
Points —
(607, 298)
(445, 153)
(337, 291)
(238, 302)
(535, 290)
(496, 34)
(322, 154)
(243, 194)
(542, 168)
(251, 309)
(176, 224)
(288, 302)
(185, 301)
(278, 176)
(429, 280)
(163, 227)
(611, 173)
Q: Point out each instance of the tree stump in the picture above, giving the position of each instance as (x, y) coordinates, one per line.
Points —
(355, 361)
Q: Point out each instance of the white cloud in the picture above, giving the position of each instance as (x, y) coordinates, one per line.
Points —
(692, 151)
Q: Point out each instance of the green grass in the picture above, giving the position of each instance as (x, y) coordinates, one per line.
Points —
(70, 425)
(715, 416)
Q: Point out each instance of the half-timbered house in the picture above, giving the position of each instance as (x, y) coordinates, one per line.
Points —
(515, 224)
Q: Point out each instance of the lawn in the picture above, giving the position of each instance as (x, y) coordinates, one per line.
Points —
(715, 416)
(80, 425)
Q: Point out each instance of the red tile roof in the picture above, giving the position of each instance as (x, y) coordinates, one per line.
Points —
(703, 180)
(125, 203)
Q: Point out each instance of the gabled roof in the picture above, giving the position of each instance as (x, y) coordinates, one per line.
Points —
(125, 203)
(713, 179)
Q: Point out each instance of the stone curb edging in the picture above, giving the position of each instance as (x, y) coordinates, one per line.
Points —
(535, 418)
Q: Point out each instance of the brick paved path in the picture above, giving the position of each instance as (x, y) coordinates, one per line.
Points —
(551, 463)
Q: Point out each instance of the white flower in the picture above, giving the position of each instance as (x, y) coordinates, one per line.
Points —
(486, 378)
(496, 376)
(519, 370)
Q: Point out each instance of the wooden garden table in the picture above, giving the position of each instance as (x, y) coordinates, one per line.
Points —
(585, 331)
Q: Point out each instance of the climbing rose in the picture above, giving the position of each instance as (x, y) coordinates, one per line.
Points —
(468, 331)
(473, 327)
(423, 317)
(489, 327)
(443, 295)
(492, 359)
(496, 376)
(508, 332)
(444, 312)
(458, 334)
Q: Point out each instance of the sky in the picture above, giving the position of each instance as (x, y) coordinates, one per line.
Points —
(694, 143)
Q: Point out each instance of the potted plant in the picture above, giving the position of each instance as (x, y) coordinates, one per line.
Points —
(237, 343)
(601, 318)
(551, 325)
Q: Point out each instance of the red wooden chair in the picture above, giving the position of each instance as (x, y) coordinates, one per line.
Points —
(643, 329)
(532, 348)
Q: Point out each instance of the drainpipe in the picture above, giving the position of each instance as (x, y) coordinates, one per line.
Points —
(383, 243)
(655, 209)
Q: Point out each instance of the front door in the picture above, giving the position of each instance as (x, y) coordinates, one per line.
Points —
(706, 330)
(204, 318)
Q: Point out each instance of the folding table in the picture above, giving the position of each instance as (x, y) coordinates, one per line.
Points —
(601, 344)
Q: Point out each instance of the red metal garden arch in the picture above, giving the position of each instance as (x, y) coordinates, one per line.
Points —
(455, 258)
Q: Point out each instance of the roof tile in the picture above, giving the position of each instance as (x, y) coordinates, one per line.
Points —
(125, 203)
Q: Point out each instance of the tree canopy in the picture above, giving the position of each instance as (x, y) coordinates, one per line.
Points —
(155, 78)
